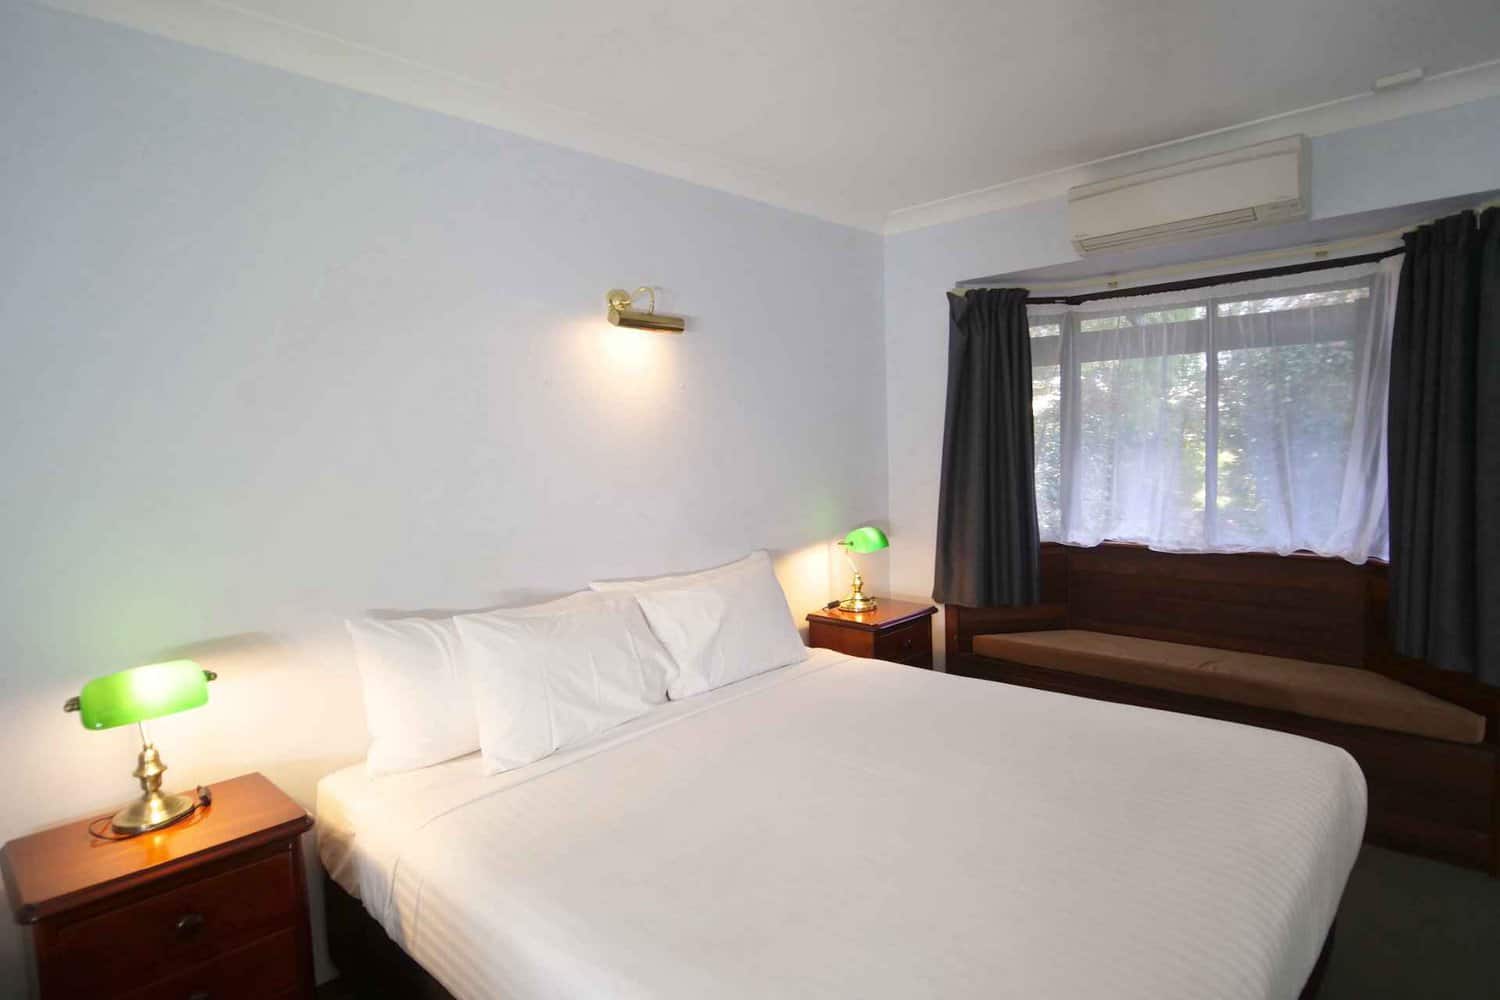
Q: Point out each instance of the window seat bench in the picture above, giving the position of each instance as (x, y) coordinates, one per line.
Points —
(1294, 643)
(1320, 690)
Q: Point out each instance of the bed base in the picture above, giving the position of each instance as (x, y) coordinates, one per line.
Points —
(372, 965)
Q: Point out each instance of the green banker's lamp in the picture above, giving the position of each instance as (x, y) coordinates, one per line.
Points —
(134, 696)
(865, 539)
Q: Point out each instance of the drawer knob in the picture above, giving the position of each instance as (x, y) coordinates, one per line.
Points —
(188, 926)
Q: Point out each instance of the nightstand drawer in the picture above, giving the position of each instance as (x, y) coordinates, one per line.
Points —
(911, 644)
(261, 970)
(147, 940)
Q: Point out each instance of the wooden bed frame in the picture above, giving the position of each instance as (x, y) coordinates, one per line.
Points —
(372, 965)
(1426, 796)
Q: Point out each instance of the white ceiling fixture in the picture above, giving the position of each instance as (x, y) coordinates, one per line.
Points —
(879, 113)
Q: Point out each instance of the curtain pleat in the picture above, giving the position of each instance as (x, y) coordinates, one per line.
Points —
(1487, 452)
(988, 553)
(1445, 380)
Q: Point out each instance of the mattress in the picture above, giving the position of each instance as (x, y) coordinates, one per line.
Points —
(848, 827)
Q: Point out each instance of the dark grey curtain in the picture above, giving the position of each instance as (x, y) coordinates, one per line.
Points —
(1444, 429)
(987, 548)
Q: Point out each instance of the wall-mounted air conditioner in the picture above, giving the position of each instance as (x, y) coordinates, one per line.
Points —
(1255, 186)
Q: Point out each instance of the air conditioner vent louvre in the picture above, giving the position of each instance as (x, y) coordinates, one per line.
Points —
(1202, 225)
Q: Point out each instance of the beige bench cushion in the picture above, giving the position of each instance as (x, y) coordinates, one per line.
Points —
(1320, 690)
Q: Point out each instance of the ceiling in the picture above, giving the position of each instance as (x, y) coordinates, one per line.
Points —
(851, 109)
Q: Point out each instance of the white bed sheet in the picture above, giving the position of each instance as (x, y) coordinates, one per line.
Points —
(852, 828)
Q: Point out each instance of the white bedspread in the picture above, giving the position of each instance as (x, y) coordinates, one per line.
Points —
(852, 828)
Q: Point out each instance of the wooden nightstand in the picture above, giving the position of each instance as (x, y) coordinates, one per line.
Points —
(212, 908)
(896, 630)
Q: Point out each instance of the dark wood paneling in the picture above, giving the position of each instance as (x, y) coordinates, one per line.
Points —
(961, 625)
(1307, 609)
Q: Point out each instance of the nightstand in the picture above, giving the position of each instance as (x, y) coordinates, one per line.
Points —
(212, 908)
(896, 630)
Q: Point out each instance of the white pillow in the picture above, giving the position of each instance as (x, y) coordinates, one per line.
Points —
(418, 705)
(417, 702)
(543, 682)
(720, 625)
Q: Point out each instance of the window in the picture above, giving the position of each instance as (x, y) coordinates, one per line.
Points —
(1245, 417)
(1046, 419)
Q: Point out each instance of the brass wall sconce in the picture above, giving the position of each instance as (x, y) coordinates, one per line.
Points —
(623, 313)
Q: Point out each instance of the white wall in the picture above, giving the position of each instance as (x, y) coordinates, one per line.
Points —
(277, 353)
(1420, 158)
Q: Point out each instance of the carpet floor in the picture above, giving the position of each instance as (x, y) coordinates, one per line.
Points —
(1418, 929)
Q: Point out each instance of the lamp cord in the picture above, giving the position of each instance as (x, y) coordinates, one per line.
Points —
(99, 828)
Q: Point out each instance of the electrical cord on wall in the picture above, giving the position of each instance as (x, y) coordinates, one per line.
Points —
(99, 828)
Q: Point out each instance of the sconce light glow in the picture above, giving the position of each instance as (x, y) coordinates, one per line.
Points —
(635, 353)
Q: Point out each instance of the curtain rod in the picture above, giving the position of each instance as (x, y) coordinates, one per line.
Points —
(1216, 279)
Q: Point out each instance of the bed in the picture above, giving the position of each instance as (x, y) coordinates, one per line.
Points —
(849, 827)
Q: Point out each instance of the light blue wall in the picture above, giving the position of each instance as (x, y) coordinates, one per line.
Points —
(276, 353)
(920, 267)
(1421, 158)
(1425, 157)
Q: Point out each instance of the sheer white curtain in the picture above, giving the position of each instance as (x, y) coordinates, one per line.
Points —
(1241, 417)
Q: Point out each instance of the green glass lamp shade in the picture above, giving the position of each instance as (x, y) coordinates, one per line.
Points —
(142, 693)
(867, 539)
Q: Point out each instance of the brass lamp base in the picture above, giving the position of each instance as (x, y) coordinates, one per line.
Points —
(152, 810)
(858, 603)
